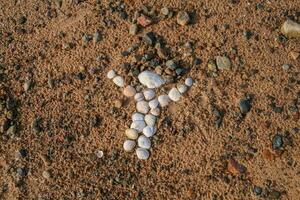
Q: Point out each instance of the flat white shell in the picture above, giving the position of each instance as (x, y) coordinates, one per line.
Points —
(155, 111)
(119, 81)
(150, 119)
(151, 79)
(153, 103)
(163, 100)
(182, 88)
(149, 131)
(132, 134)
(129, 145)
(111, 74)
(139, 96)
(174, 94)
(142, 107)
(137, 116)
(149, 94)
(142, 154)
(138, 125)
(189, 81)
(144, 142)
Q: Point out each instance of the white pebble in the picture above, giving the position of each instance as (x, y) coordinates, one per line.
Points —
(142, 107)
(137, 116)
(131, 134)
(119, 81)
(182, 88)
(139, 96)
(111, 74)
(144, 142)
(155, 111)
(153, 103)
(151, 79)
(138, 125)
(129, 145)
(189, 81)
(150, 119)
(142, 154)
(149, 94)
(163, 100)
(174, 94)
(129, 91)
(149, 131)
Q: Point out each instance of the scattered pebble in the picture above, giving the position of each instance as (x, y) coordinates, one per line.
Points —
(189, 82)
(131, 134)
(163, 100)
(133, 29)
(174, 94)
(111, 74)
(245, 106)
(142, 154)
(144, 142)
(22, 172)
(99, 153)
(150, 119)
(235, 168)
(138, 125)
(212, 66)
(277, 141)
(223, 62)
(149, 38)
(183, 18)
(151, 79)
(119, 81)
(96, 37)
(142, 107)
(286, 67)
(149, 131)
(144, 20)
(46, 174)
(118, 103)
(291, 29)
(257, 190)
(295, 55)
(165, 11)
(128, 145)
(129, 91)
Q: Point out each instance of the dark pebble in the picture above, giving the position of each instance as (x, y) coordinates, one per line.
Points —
(149, 38)
(245, 106)
(277, 141)
(22, 153)
(171, 64)
(125, 53)
(248, 34)
(197, 61)
(22, 172)
(22, 20)
(257, 190)
(274, 194)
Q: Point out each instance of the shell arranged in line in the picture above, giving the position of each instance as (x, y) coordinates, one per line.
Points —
(153, 103)
(129, 145)
(111, 74)
(149, 94)
(150, 119)
(119, 81)
(138, 125)
(174, 94)
(144, 142)
(142, 107)
(182, 88)
(139, 96)
(151, 79)
(189, 82)
(149, 131)
(132, 134)
(155, 111)
(163, 100)
(142, 154)
(137, 116)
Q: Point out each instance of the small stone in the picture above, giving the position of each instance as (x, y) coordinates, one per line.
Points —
(286, 67)
(142, 154)
(22, 20)
(144, 20)
(138, 125)
(12, 130)
(149, 131)
(46, 174)
(137, 116)
(257, 190)
(96, 37)
(142, 107)
(245, 106)
(165, 11)
(22, 172)
(129, 91)
(180, 71)
(111, 74)
(183, 18)
(211, 65)
(155, 111)
(131, 134)
(35, 125)
(139, 97)
(248, 34)
(182, 88)
(235, 168)
(133, 29)
(274, 194)
(22, 153)
(295, 55)
(277, 142)
(149, 38)
(27, 85)
(129, 145)
(223, 62)
(151, 79)
(119, 81)
(164, 100)
(144, 142)
(291, 29)
(118, 103)
(171, 64)
(174, 94)
(150, 119)
(149, 94)
(153, 103)
(99, 153)
(188, 82)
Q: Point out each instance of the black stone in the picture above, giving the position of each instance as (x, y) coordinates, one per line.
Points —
(23, 152)
(245, 106)
(149, 38)
(22, 172)
(257, 190)
(22, 20)
(248, 34)
(277, 141)
(197, 61)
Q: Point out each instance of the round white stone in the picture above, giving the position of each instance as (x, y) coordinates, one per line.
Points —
(182, 88)
(139, 96)
(138, 125)
(151, 79)
(144, 142)
(150, 119)
(149, 94)
(142, 154)
(142, 107)
(163, 100)
(155, 111)
(111, 74)
(149, 131)
(174, 94)
(153, 103)
(119, 81)
(189, 81)
(129, 91)
(132, 134)
(137, 116)
(128, 145)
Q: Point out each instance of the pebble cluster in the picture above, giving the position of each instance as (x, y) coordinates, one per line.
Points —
(148, 105)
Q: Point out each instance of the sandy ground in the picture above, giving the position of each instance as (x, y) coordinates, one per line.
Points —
(69, 111)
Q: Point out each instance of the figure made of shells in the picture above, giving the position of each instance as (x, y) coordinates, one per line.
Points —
(148, 107)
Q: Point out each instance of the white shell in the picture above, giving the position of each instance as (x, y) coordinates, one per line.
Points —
(174, 94)
(138, 125)
(151, 79)
(144, 142)
(153, 103)
(155, 111)
(149, 94)
(163, 100)
(142, 107)
(129, 91)
(119, 81)
(139, 96)
(150, 119)
(131, 134)
(129, 145)
(137, 116)
(142, 154)
(111, 74)
(182, 88)
(189, 81)
(149, 131)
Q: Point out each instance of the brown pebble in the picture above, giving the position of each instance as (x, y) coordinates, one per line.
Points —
(235, 168)
(144, 20)
(295, 55)
(118, 103)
